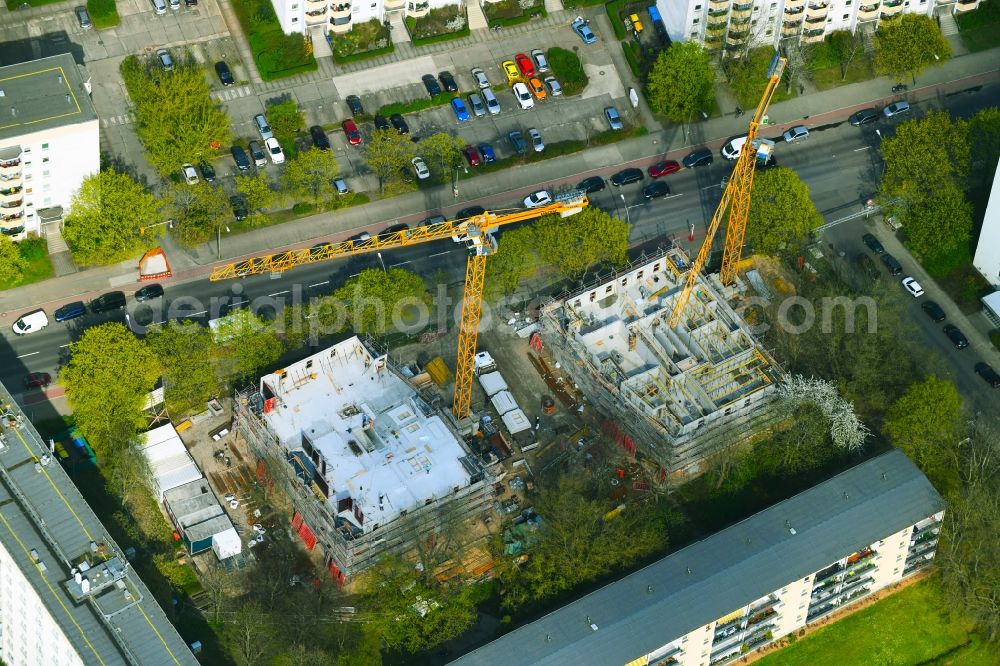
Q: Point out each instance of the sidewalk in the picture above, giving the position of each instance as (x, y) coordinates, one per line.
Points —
(828, 106)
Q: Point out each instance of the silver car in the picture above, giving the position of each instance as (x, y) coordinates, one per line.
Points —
(536, 140)
(541, 64)
(797, 133)
(492, 103)
(260, 122)
(553, 85)
(479, 76)
(476, 102)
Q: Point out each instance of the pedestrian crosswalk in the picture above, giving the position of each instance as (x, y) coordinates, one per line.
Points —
(231, 93)
(113, 121)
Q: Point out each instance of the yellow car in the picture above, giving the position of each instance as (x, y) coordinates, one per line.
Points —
(510, 70)
(537, 89)
(636, 23)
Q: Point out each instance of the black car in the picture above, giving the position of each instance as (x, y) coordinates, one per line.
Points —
(431, 84)
(399, 123)
(240, 157)
(207, 172)
(319, 137)
(381, 123)
(873, 244)
(240, 207)
(225, 76)
(895, 268)
(148, 293)
(956, 336)
(656, 190)
(933, 311)
(626, 176)
(471, 211)
(863, 117)
(392, 229)
(113, 300)
(989, 374)
(354, 104)
(591, 185)
(317, 250)
(700, 157)
(448, 81)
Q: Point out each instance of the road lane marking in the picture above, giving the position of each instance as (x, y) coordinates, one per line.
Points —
(277, 293)
(198, 314)
(402, 263)
(431, 256)
(858, 150)
(65, 345)
(710, 187)
(28, 354)
(319, 283)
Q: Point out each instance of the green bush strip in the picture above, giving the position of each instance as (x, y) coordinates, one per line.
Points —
(38, 266)
(277, 55)
(364, 55)
(509, 12)
(633, 60)
(103, 13)
(614, 9)
(14, 4)
(416, 104)
(433, 39)
(568, 70)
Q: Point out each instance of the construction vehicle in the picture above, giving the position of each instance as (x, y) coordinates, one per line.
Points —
(476, 232)
(735, 199)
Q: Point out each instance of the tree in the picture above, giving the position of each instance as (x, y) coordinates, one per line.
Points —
(175, 117)
(197, 211)
(107, 378)
(105, 217)
(12, 264)
(576, 243)
(846, 47)
(257, 193)
(681, 82)
(444, 150)
(846, 429)
(782, 215)
(908, 45)
(516, 258)
(925, 423)
(939, 223)
(311, 174)
(187, 355)
(251, 633)
(387, 153)
(984, 139)
(286, 120)
(377, 300)
(128, 470)
(747, 75)
(249, 344)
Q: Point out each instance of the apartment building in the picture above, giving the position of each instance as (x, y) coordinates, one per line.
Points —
(340, 16)
(49, 142)
(68, 594)
(987, 257)
(740, 589)
(736, 25)
(369, 465)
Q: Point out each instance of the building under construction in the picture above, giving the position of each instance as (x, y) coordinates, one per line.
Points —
(368, 464)
(677, 394)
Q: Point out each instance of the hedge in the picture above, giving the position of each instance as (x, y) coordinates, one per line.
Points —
(614, 9)
(103, 13)
(411, 27)
(633, 59)
(277, 55)
(415, 105)
(364, 55)
(517, 20)
(568, 69)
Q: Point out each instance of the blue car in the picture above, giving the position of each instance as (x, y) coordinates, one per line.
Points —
(458, 106)
(582, 27)
(487, 152)
(70, 311)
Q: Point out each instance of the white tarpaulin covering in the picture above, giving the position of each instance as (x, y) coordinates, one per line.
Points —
(169, 460)
(226, 544)
(492, 383)
(503, 402)
(516, 421)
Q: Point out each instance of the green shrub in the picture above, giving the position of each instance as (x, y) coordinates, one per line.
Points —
(363, 55)
(303, 207)
(103, 13)
(614, 9)
(277, 55)
(510, 12)
(568, 69)
(415, 105)
(632, 58)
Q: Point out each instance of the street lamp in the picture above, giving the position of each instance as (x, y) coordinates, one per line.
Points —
(218, 238)
(628, 217)
(381, 262)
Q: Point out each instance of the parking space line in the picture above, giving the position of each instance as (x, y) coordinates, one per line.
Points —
(278, 293)
(319, 283)
(28, 354)
(431, 256)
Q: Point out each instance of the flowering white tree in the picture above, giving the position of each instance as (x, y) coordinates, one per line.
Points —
(846, 429)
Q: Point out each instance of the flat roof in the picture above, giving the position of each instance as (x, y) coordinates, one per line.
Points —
(373, 440)
(169, 460)
(41, 94)
(726, 571)
(42, 511)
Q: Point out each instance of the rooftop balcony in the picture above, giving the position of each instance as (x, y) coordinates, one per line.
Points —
(340, 10)
(817, 10)
(868, 12)
(966, 6)
(714, 5)
(795, 6)
(791, 30)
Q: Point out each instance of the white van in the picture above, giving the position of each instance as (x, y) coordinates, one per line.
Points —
(731, 151)
(31, 322)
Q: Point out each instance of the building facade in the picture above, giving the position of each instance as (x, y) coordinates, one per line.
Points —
(49, 142)
(987, 257)
(733, 26)
(743, 588)
(338, 16)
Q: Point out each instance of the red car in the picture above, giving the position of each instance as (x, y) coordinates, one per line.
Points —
(664, 168)
(472, 155)
(352, 132)
(37, 380)
(525, 65)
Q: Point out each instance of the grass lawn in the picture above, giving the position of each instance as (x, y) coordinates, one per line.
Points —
(831, 77)
(103, 13)
(911, 626)
(14, 4)
(35, 253)
(980, 29)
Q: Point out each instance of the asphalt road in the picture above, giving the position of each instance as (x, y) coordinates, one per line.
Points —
(837, 161)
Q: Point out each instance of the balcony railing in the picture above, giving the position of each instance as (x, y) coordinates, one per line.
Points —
(816, 11)
(6, 164)
(868, 8)
(17, 203)
(791, 31)
(792, 5)
(13, 216)
(829, 571)
(738, 7)
(718, 4)
(796, 11)
(739, 20)
(11, 190)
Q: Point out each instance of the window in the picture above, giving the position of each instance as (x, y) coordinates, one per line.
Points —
(845, 16)
(697, 7)
(45, 174)
(45, 146)
(696, 21)
(607, 290)
(45, 160)
(295, 19)
(294, 7)
(694, 34)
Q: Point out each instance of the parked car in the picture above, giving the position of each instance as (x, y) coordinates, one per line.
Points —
(83, 18)
(207, 171)
(896, 108)
(260, 122)
(257, 153)
(479, 76)
(553, 85)
(225, 76)
(582, 27)
(431, 84)
(238, 203)
(486, 150)
(536, 88)
(319, 138)
(524, 65)
(626, 177)
(541, 63)
(399, 123)
(70, 311)
(732, 149)
(591, 185)
(381, 123)
(392, 230)
(189, 174)
(352, 132)
(868, 266)
(796, 133)
(873, 243)
(697, 158)
(159, 6)
(492, 103)
(174, 4)
(988, 374)
(274, 151)
(471, 211)
(913, 287)
(614, 120)
(656, 190)
(478, 108)
(113, 300)
(664, 168)
(420, 168)
(148, 292)
(448, 81)
(458, 108)
(240, 158)
(30, 323)
(354, 104)
(340, 185)
(895, 268)
(37, 380)
(536, 140)
(472, 156)
(517, 142)
(934, 311)
(537, 199)
(523, 96)
(956, 336)
(166, 62)
(863, 117)
(510, 71)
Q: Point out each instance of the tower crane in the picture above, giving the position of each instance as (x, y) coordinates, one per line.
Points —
(476, 233)
(735, 201)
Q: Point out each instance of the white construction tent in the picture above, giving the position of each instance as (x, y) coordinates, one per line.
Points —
(169, 460)
(492, 383)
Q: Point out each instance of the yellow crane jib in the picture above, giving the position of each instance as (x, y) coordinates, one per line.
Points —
(735, 202)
